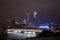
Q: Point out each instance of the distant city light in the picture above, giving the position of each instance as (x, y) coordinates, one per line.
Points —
(44, 26)
(15, 31)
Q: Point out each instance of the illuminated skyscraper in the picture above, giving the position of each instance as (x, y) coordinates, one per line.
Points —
(35, 14)
(13, 22)
(28, 20)
(35, 18)
(24, 21)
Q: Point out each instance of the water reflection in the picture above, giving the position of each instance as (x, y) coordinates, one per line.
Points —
(18, 34)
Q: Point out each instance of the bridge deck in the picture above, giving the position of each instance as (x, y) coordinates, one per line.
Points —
(32, 30)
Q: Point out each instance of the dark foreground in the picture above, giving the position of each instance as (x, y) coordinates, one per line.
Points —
(43, 38)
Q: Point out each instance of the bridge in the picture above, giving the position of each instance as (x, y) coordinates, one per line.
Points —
(29, 30)
(22, 33)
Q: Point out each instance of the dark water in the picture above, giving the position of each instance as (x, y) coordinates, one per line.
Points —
(18, 36)
(15, 37)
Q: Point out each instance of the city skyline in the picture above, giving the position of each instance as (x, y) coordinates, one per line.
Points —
(48, 10)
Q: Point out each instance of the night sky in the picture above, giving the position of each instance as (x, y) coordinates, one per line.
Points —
(48, 10)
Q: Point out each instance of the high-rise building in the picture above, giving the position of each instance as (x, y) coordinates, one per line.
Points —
(12, 22)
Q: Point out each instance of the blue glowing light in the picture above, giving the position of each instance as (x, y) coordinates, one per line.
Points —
(44, 26)
(35, 14)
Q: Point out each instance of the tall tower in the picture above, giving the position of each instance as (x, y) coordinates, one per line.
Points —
(28, 20)
(28, 17)
(35, 18)
(24, 24)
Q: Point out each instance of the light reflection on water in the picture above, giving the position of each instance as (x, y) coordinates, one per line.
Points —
(19, 35)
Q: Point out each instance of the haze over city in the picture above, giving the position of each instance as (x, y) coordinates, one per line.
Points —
(48, 10)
